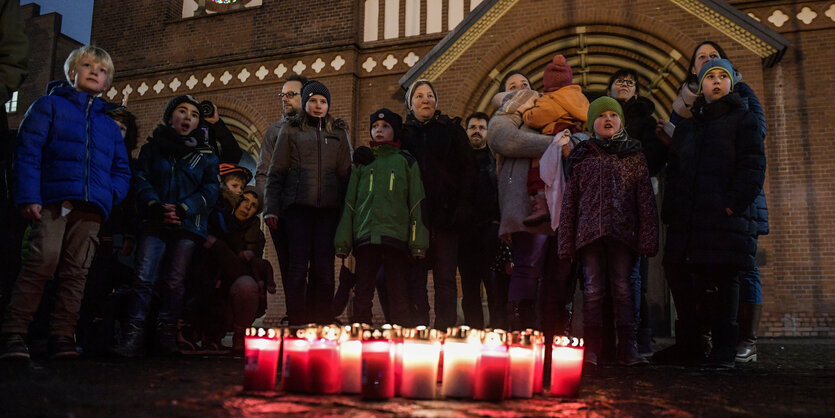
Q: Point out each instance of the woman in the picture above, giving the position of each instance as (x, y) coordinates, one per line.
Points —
(306, 183)
(447, 167)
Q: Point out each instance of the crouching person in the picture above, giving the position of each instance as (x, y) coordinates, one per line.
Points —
(381, 220)
(176, 183)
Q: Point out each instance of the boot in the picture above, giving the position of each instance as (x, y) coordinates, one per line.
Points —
(608, 344)
(132, 341)
(539, 211)
(167, 338)
(514, 317)
(687, 350)
(592, 339)
(723, 355)
(749, 322)
(645, 341)
(628, 348)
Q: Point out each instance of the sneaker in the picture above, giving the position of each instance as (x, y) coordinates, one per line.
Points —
(62, 347)
(14, 347)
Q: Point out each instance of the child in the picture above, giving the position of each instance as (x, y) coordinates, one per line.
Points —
(234, 178)
(176, 183)
(71, 168)
(563, 106)
(608, 218)
(382, 220)
(716, 170)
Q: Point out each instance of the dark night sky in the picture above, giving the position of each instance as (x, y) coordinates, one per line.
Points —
(77, 16)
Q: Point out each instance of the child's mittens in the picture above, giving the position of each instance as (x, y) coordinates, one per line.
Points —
(363, 156)
(180, 211)
(156, 212)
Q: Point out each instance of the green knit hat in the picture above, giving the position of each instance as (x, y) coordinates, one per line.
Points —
(601, 105)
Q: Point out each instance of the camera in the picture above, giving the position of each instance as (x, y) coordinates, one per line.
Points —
(207, 109)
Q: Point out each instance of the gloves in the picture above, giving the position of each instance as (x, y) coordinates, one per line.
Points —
(181, 212)
(156, 211)
(363, 156)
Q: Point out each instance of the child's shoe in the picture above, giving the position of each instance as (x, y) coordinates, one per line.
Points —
(539, 211)
(62, 348)
(132, 343)
(14, 347)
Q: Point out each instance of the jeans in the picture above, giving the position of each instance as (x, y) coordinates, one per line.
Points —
(173, 249)
(311, 230)
(476, 252)
(529, 251)
(607, 266)
(638, 281)
(442, 259)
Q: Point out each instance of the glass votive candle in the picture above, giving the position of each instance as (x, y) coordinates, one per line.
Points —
(350, 357)
(377, 365)
(492, 370)
(421, 349)
(539, 360)
(461, 348)
(396, 333)
(566, 366)
(261, 350)
(323, 361)
(522, 365)
(294, 360)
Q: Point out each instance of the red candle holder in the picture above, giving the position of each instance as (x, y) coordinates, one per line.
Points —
(421, 349)
(566, 366)
(377, 365)
(294, 360)
(539, 360)
(323, 361)
(397, 341)
(461, 349)
(350, 357)
(522, 365)
(493, 367)
(261, 350)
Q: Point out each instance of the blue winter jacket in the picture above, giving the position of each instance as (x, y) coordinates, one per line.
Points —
(69, 149)
(190, 181)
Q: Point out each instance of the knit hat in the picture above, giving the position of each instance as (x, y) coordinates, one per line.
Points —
(169, 109)
(391, 118)
(601, 105)
(557, 74)
(719, 63)
(228, 168)
(415, 85)
(314, 87)
(514, 99)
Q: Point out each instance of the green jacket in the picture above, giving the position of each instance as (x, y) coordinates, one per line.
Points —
(383, 204)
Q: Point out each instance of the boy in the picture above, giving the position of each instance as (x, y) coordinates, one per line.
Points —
(382, 220)
(71, 167)
(176, 183)
(234, 178)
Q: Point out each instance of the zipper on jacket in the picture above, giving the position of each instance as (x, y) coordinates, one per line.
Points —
(319, 166)
(414, 230)
(391, 181)
(87, 146)
(371, 181)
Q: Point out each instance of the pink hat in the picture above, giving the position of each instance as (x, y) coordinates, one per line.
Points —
(557, 74)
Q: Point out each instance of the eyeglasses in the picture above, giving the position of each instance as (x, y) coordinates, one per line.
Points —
(290, 95)
(627, 83)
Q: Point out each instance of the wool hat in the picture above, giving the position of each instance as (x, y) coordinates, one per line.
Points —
(391, 118)
(719, 63)
(229, 168)
(415, 85)
(557, 74)
(184, 98)
(514, 99)
(601, 105)
(314, 87)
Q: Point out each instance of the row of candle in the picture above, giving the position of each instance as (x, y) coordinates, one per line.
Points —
(393, 361)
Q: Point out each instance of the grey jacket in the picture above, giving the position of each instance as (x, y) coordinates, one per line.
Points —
(266, 155)
(515, 145)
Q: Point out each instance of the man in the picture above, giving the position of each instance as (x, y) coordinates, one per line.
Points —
(292, 104)
(479, 240)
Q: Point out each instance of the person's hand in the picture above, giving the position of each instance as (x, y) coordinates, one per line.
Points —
(128, 244)
(214, 118)
(271, 288)
(210, 240)
(729, 211)
(31, 211)
(271, 221)
(661, 133)
(169, 215)
(508, 267)
(246, 255)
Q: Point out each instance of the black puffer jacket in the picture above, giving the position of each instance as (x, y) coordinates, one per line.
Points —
(716, 161)
(640, 125)
(447, 168)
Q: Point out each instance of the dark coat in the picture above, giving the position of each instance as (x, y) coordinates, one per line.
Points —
(609, 194)
(447, 167)
(716, 161)
(640, 125)
(486, 203)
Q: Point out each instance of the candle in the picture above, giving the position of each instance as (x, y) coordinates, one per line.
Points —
(461, 348)
(421, 349)
(323, 361)
(377, 366)
(539, 360)
(566, 366)
(350, 358)
(397, 340)
(493, 367)
(261, 351)
(294, 361)
(522, 365)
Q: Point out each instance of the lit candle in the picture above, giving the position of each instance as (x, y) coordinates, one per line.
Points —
(377, 365)
(566, 366)
(294, 360)
(397, 341)
(539, 360)
(421, 349)
(461, 348)
(493, 367)
(522, 365)
(323, 361)
(350, 358)
(261, 350)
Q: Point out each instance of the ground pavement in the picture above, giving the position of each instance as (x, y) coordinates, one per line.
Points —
(793, 378)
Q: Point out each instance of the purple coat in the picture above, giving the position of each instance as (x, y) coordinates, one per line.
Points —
(608, 195)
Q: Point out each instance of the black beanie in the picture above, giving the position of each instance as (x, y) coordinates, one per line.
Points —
(185, 98)
(391, 118)
(314, 87)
